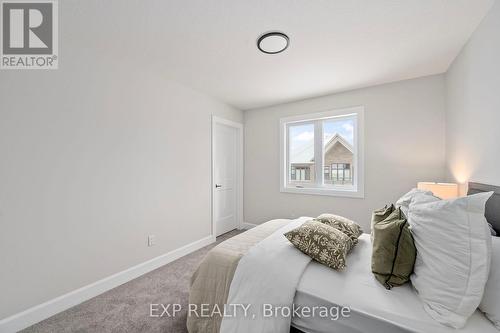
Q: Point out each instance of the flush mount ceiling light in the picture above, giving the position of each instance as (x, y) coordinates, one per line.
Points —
(273, 42)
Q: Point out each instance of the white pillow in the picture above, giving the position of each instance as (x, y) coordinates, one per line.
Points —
(490, 304)
(453, 244)
(493, 232)
(405, 201)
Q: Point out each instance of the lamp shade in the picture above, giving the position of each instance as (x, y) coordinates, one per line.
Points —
(441, 190)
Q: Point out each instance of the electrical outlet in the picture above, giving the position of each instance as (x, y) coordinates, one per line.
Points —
(151, 240)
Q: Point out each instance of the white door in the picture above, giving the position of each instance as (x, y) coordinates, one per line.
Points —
(225, 181)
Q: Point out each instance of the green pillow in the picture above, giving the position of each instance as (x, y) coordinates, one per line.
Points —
(379, 215)
(348, 227)
(394, 252)
(322, 243)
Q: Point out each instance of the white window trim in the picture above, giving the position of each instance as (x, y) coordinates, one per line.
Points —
(358, 146)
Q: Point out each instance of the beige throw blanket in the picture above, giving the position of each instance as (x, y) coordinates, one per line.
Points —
(211, 281)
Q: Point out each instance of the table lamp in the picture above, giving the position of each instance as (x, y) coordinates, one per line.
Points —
(441, 190)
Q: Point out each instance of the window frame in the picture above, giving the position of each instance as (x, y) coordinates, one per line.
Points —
(354, 191)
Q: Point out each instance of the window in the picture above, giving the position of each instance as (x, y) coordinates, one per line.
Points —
(300, 173)
(322, 153)
(340, 173)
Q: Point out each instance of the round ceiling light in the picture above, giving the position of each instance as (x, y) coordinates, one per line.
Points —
(273, 42)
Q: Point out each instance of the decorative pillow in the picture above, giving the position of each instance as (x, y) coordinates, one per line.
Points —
(380, 215)
(394, 252)
(490, 304)
(348, 227)
(322, 243)
(405, 201)
(453, 244)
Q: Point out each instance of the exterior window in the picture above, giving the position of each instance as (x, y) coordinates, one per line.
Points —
(322, 153)
(300, 173)
(341, 174)
(328, 171)
(301, 167)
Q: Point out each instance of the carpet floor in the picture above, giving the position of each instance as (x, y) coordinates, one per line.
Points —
(126, 308)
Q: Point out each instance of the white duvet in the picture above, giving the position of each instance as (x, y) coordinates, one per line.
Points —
(274, 271)
(265, 281)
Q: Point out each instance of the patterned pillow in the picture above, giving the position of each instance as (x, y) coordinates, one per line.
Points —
(322, 243)
(348, 227)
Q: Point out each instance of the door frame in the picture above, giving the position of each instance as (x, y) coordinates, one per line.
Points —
(239, 170)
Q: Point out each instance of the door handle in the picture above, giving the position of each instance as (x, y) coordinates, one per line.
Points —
(218, 185)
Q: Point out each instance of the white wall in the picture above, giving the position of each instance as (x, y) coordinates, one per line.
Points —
(93, 158)
(404, 143)
(473, 106)
(104, 151)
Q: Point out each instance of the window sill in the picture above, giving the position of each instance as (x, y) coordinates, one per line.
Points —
(324, 191)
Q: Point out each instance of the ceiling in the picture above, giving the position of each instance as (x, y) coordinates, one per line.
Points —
(335, 45)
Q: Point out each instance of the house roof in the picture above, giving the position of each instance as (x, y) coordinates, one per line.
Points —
(338, 138)
(306, 154)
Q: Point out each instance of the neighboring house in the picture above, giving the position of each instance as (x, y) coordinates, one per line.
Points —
(338, 163)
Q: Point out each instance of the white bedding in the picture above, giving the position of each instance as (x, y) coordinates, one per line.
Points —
(373, 308)
(267, 274)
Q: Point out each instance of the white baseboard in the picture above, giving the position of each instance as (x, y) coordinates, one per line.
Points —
(246, 226)
(45, 310)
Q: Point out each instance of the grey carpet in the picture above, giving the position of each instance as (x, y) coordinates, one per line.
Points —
(126, 308)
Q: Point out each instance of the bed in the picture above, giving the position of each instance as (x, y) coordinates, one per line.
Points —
(211, 281)
(373, 308)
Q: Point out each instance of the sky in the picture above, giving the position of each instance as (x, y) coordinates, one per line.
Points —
(302, 137)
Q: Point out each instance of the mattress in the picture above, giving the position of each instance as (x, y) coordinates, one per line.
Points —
(372, 308)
